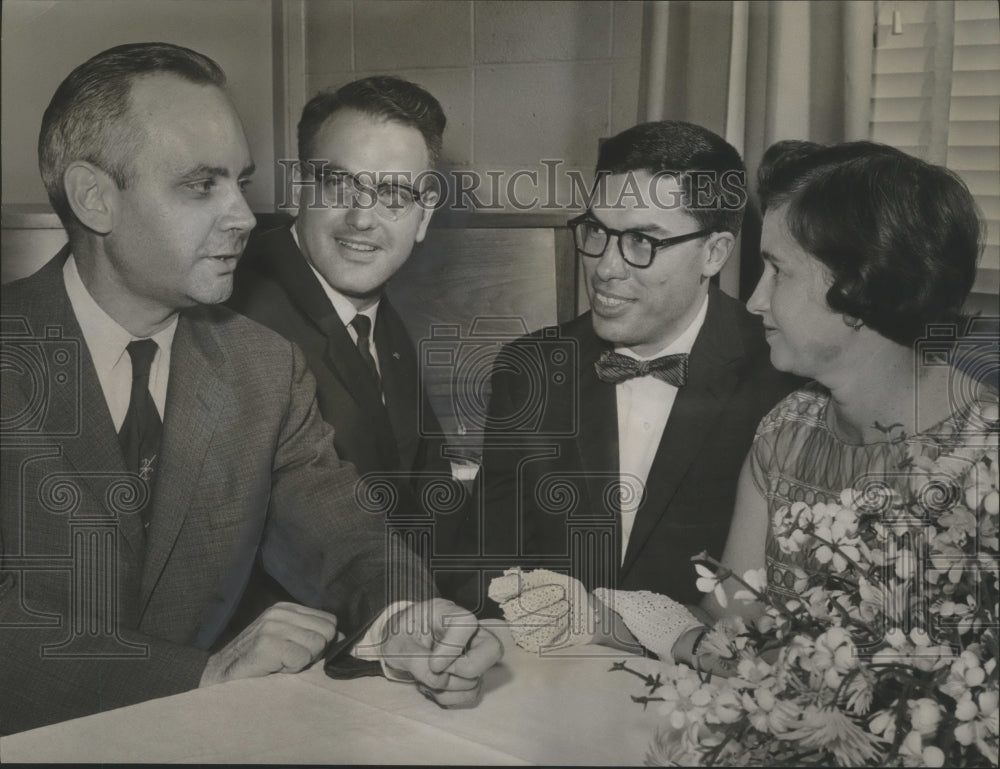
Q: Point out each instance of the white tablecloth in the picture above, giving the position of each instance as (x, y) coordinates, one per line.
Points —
(565, 709)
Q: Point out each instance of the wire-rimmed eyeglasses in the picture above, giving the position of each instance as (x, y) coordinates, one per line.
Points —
(390, 199)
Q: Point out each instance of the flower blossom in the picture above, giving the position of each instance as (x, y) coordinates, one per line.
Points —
(672, 749)
(871, 605)
(883, 724)
(979, 722)
(767, 713)
(709, 582)
(991, 503)
(961, 525)
(726, 708)
(831, 729)
(915, 649)
(839, 544)
(964, 612)
(790, 525)
(914, 753)
(966, 672)
(860, 691)
(757, 580)
(686, 699)
(835, 656)
(925, 715)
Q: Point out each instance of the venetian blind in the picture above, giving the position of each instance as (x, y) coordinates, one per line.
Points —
(936, 95)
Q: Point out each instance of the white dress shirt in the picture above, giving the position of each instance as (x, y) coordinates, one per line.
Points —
(644, 406)
(106, 341)
(344, 308)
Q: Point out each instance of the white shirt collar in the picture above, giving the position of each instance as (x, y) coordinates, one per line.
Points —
(343, 306)
(105, 338)
(682, 344)
(106, 341)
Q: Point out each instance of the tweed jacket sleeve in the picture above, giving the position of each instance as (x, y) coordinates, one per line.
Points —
(326, 539)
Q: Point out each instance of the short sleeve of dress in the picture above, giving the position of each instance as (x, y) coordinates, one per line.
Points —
(762, 450)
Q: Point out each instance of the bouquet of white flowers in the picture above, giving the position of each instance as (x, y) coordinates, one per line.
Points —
(887, 653)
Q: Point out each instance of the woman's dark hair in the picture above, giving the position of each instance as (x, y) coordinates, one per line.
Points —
(899, 236)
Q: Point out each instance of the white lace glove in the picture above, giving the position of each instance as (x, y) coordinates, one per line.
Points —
(655, 620)
(544, 609)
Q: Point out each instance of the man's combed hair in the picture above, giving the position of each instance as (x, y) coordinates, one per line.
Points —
(381, 96)
(88, 117)
(900, 237)
(709, 170)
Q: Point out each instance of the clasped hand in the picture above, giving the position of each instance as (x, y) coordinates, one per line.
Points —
(545, 609)
(445, 650)
(437, 643)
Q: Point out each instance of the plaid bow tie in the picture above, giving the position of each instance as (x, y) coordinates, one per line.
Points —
(615, 368)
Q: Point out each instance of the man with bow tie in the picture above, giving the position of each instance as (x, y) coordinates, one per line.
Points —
(633, 470)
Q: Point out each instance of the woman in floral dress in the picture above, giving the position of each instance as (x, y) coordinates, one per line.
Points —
(869, 255)
(864, 538)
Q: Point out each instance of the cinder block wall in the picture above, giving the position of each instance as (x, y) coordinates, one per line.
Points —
(519, 81)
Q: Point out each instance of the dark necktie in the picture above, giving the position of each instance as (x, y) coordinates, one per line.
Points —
(614, 368)
(141, 431)
(363, 326)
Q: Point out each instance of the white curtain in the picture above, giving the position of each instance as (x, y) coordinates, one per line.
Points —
(757, 72)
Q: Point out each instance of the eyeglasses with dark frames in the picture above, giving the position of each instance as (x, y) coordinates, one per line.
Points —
(636, 248)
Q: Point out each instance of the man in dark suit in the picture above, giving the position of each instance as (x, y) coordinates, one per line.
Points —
(154, 444)
(364, 151)
(616, 442)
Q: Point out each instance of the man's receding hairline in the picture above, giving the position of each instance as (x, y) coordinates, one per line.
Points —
(376, 117)
(135, 126)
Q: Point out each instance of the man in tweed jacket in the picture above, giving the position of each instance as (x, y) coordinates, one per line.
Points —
(116, 585)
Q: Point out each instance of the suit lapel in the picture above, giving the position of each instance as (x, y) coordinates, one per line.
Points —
(82, 411)
(344, 360)
(597, 431)
(291, 270)
(712, 377)
(196, 396)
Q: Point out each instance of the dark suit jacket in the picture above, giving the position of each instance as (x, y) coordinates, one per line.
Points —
(550, 484)
(276, 287)
(247, 466)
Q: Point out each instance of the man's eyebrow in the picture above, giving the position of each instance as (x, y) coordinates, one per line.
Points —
(655, 229)
(645, 229)
(203, 170)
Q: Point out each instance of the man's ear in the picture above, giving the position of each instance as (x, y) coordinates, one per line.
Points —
(718, 248)
(427, 206)
(91, 193)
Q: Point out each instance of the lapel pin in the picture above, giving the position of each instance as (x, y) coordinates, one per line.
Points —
(395, 355)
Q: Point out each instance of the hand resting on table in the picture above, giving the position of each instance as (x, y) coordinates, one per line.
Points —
(286, 638)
